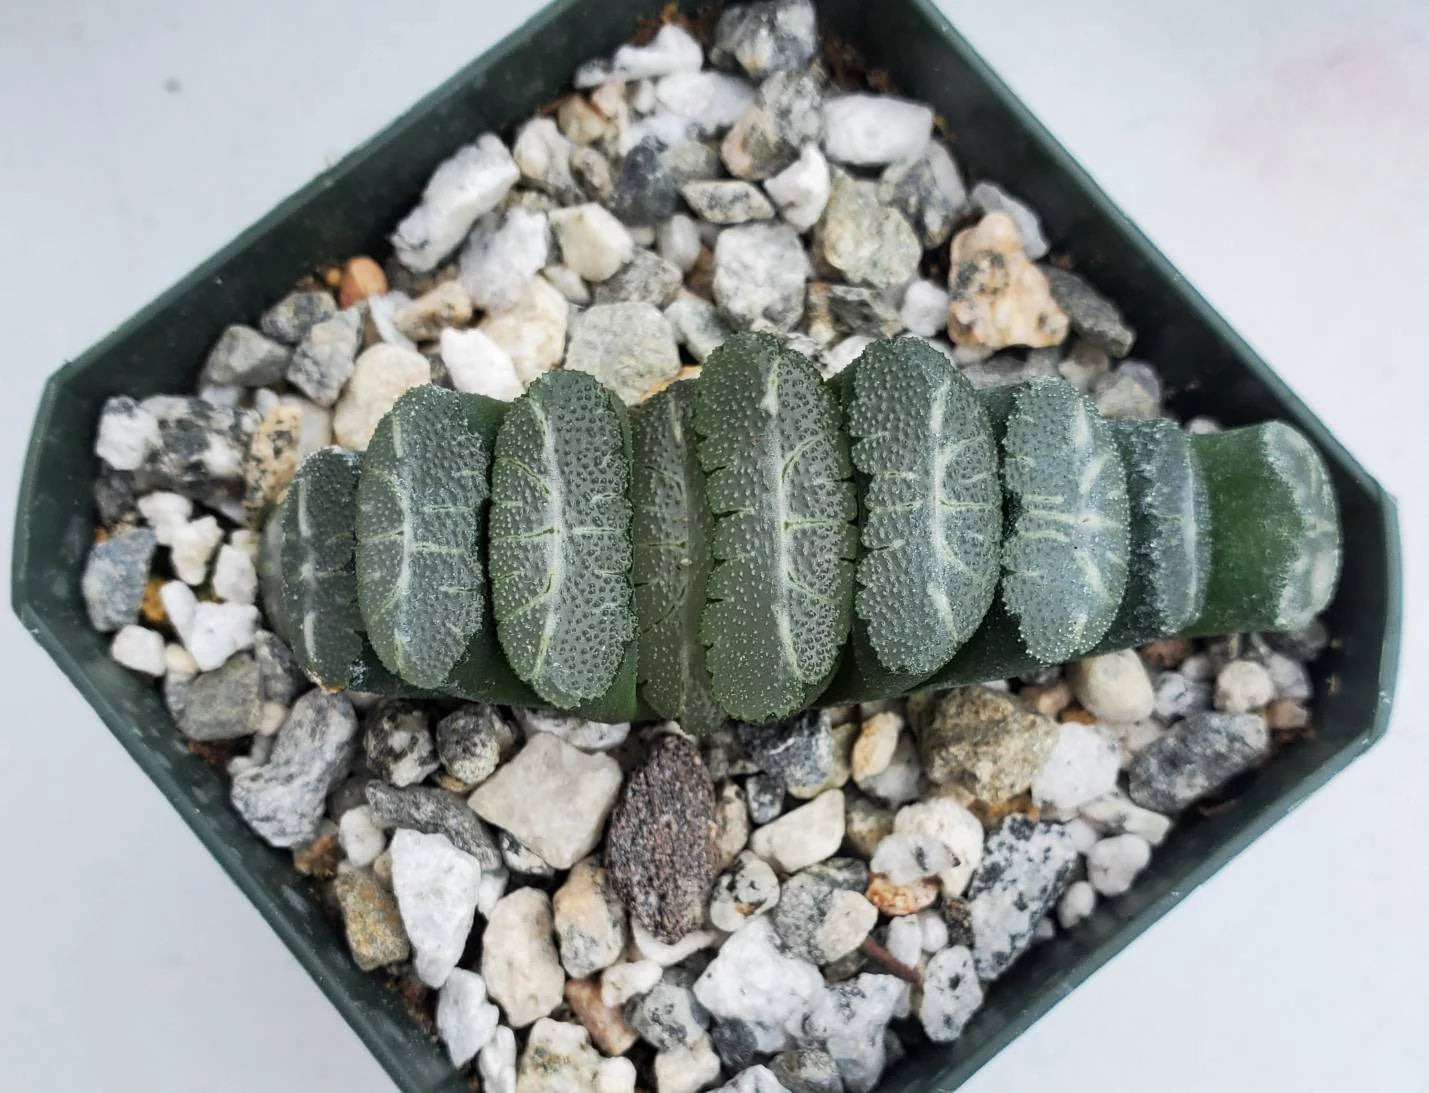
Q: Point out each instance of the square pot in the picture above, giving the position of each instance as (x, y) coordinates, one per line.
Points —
(1207, 368)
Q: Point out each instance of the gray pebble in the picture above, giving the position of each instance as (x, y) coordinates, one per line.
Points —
(858, 310)
(765, 793)
(471, 742)
(691, 160)
(799, 750)
(866, 241)
(283, 799)
(245, 357)
(1025, 866)
(913, 189)
(115, 575)
(224, 704)
(1304, 644)
(628, 347)
(644, 193)
(991, 198)
(522, 860)
(283, 678)
(667, 1016)
(1196, 757)
(759, 276)
(766, 37)
(201, 446)
(735, 1043)
(290, 319)
(1092, 315)
(807, 1070)
(645, 279)
(324, 359)
(786, 115)
(398, 741)
(435, 812)
(849, 874)
(727, 201)
(698, 325)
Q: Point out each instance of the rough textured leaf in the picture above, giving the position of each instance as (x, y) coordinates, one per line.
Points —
(421, 515)
(560, 550)
(672, 532)
(777, 470)
(932, 505)
(270, 574)
(1170, 534)
(320, 579)
(1064, 557)
(1276, 544)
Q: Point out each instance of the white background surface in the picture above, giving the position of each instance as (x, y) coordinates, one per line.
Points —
(1278, 152)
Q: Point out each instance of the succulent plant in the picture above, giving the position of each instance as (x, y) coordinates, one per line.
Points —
(758, 540)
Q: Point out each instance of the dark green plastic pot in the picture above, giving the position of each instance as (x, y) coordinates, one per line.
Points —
(347, 211)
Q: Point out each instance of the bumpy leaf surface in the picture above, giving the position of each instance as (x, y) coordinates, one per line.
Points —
(777, 470)
(1170, 533)
(1276, 544)
(560, 549)
(421, 514)
(320, 579)
(932, 506)
(1064, 557)
(672, 531)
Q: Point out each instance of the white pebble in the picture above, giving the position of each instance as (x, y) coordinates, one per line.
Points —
(466, 1021)
(234, 577)
(315, 431)
(1084, 764)
(1084, 834)
(801, 190)
(1077, 902)
(874, 129)
(1242, 686)
(167, 513)
(1115, 862)
(382, 375)
(178, 660)
(568, 283)
(592, 241)
(1290, 677)
(621, 982)
(679, 241)
(218, 630)
(908, 858)
(673, 49)
(478, 366)
(464, 187)
(1113, 814)
(956, 828)
(193, 545)
(139, 648)
(360, 837)
(497, 1062)
(180, 603)
(246, 540)
(935, 930)
(838, 357)
(502, 254)
(925, 308)
(127, 434)
(383, 310)
(435, 885)
(713, 101)
(1115, 687)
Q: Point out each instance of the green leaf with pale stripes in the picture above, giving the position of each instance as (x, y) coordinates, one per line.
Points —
(560, 550)
(1170, 533)
(932, 505)
(777, 474)
(319, 574)
(1064, 558)
(421, 515)
(1276, 541)
(672, 531)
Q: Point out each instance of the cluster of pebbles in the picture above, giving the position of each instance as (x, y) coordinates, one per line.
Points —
(572, 905)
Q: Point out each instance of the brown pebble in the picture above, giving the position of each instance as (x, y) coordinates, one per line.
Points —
(1286, 713)
(371, 919)
(1077, 713)
(1048, 699)
(332, 276)
(900, 899)
(271, 461)
(361, 278)
(1167, 653)
(993, 813)
(152, 607)
(606, 1024)
(959, 917)
(660, 846)
(319, 858)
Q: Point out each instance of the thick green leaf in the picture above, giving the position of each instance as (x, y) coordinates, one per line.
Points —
(421, 514)
(932, 506)
(1170, 534)
(560, 551)
(1276, 544)
(777, 474)
(270, 574)
(320, 579)
(672, 532)
(1064, 557)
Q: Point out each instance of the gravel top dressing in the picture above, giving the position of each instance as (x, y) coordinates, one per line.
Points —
(719, 592)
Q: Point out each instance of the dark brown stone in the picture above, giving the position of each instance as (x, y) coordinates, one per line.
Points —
(660, 846)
